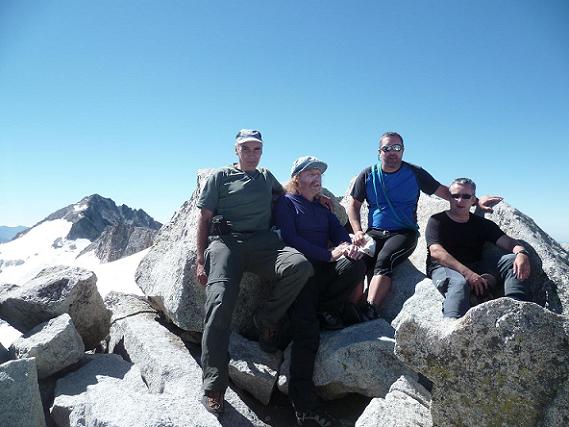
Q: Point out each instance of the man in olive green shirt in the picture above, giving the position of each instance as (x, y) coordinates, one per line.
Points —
(239, 200)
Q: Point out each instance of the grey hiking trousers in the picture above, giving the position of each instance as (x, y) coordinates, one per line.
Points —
(226, 258)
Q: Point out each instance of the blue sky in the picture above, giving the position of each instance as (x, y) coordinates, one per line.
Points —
(129, 98)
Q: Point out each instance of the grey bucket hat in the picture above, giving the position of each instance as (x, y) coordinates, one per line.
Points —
(307, 162)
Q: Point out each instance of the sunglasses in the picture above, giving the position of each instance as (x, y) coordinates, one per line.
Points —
(464, 196)
(394, 147)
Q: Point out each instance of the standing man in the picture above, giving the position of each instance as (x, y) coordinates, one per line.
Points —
(391, 189)
(455, 261)
(240, 197)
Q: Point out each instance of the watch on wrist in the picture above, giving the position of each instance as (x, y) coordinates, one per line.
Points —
(523, 251)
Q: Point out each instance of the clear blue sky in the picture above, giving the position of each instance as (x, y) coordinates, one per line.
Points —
(129, 98)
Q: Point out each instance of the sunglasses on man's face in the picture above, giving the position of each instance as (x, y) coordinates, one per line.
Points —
(394, 147)
(463, 196)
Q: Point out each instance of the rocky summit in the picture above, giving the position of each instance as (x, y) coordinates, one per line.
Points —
(134, 360)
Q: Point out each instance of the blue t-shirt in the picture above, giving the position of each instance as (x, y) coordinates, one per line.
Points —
(308, 226)
(402, 187)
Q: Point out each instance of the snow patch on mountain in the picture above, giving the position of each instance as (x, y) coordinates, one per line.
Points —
(42, 246)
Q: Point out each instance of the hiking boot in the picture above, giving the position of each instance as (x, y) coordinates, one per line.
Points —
(314, 418)
(213, 402)
(369, 312)
(329, 321)
(268, 337)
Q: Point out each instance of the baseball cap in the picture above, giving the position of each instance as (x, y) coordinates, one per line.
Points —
(245, 135)
(307, 162)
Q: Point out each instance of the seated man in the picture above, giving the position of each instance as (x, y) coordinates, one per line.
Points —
(241, 198)
(455, 261)
(309, 227)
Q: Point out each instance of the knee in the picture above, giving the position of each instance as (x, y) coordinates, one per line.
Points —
(301, 268)
(506, 261)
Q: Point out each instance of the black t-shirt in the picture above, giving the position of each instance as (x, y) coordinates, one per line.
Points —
(463, 240)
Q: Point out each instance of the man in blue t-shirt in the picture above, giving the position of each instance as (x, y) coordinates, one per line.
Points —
(391, 189)
(455, 260)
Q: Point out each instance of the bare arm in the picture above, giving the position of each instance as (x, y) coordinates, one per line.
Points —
(355, 221)
(441, 256)
(204, 218)
(522, 268)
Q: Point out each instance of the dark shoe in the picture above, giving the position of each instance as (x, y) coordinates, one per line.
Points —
(315, 418)
(213, 402)
(268, 337)
(329, 321)
(369, 312)
(351, 315)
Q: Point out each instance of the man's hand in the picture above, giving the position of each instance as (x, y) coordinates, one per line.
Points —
(200, 273)
(476, 282)
(338, 251)
(486, 203)
(326, 202)
(359, 238)
(352, 252)
(522, 268)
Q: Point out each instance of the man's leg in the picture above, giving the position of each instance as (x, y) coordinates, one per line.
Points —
(394, 251)
(342, 277)
(287, 268)
(454, 287)
(513, 287)
(305, 341)
(223, 265)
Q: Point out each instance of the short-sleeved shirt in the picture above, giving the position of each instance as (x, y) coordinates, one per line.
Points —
(402, 187)
(463, 240)
(243, 198)
(308, 226)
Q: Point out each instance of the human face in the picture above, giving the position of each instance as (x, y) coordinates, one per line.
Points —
(249, 154)
(461, 206)
(310, 183)
(391, 160)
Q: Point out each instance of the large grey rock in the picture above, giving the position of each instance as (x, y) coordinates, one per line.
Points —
(121, 240)
(504, 363)
(426, 304)
(406, 405)
(54, 291)
(55, 344)
(20, 401)
(110, 392)
(164, 362)
(358, 359)
(252, 369)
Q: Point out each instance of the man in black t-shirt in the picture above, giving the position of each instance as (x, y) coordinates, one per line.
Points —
(455, 261)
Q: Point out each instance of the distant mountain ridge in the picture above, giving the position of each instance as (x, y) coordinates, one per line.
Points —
(92, 214)
(8, 233)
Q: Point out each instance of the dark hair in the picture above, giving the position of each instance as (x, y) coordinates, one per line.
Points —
(390, 134)
(464, 181)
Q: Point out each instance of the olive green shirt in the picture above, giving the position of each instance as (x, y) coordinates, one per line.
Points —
(243, 198)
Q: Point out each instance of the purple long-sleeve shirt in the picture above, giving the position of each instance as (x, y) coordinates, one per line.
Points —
(308, 226)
